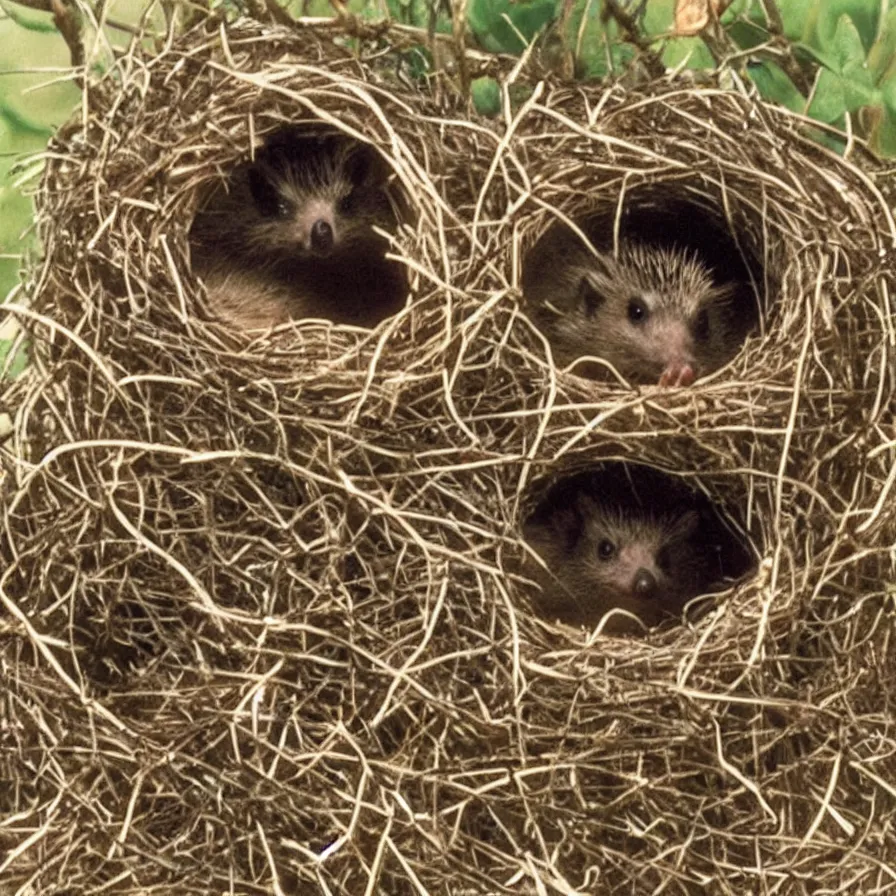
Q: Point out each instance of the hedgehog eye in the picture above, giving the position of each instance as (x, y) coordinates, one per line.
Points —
(606, 549)
(638, 311)
(345, 205)
(701, 325)
(283, 208)
(589, 297)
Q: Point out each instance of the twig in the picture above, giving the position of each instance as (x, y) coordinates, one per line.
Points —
(278, 14)
(458, 30)
(269, 11)
(788, 63)
(632, 34)
(68, 23)
(773, 16)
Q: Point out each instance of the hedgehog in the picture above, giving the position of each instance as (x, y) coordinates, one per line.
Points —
(296, 232)
(653, 313)
(608, 541)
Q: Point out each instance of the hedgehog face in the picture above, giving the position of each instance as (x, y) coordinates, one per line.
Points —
(600, 555)
(653, 313)
(317, 196)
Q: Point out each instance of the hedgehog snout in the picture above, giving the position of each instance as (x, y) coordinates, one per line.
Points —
(315, 226)
(644, 584)
(672, 345)
(322, 236)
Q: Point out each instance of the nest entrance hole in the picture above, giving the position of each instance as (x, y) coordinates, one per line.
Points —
(657, 286)
(297, 231)
(631, 537)
(659, 216)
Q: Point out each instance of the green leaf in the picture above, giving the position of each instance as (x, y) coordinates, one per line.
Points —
(828, 100)
(847, 49)
(799, 17)
(863, 17)
(602, 52)
(885, 141)
(888, 93)
(882, 57)
(859, 95)
(18, 363)
(659, 16)
(774, 85)
(416, 63)
(883, 135)
(486, 94)
(834, 95)
(816, 56)
(504, 26)
(587, 36)
(30, 21)
(843, 51)
(746, 34)
(22, 126)
(688, 51)
(410, 12)
(845, 84)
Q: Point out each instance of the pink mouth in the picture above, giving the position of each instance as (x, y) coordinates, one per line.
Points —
(678, 375)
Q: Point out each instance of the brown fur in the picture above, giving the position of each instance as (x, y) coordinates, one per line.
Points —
(292, 235)
(603, 548)
(251, 301)
(586, 302)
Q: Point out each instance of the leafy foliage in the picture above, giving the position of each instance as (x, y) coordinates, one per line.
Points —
(847, 51)
(827, 60)
(503, 26)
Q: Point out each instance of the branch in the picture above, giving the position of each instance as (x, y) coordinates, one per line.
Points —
(787, 61)
(68, 23)
(630, 33)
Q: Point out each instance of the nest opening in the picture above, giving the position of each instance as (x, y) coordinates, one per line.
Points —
(656, 283)
(612, 535)
(665, 217)
(302, 230)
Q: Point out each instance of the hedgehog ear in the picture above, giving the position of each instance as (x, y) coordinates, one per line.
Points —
(263, 191)
(589, 298)
(686, 526)
(569, 521)
(365, 166)
(558, 529)
(555, 521)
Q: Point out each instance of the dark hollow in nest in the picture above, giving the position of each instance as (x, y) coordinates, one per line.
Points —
(263, 626)
(630, 538)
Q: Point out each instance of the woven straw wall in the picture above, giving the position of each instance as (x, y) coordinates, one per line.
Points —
(263, 626)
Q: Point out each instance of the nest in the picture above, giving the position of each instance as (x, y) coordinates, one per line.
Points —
(265, 629)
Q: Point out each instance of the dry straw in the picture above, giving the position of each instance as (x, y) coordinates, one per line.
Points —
(263, 630)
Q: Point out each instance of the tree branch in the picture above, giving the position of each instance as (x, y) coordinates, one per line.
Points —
(630, 33)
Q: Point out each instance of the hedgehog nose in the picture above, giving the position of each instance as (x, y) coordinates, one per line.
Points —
(321, 236)
(644, 584)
